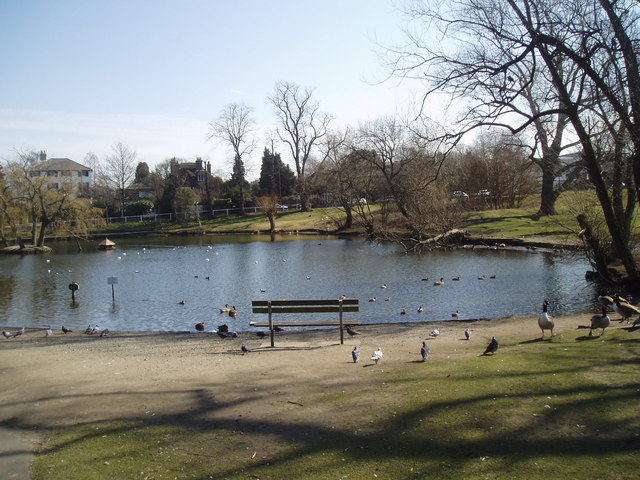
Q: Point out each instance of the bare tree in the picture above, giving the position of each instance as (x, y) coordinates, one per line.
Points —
(120, 170)
(234, 127)
(301, 126)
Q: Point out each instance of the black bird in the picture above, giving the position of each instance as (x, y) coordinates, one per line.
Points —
(223, 328)
(424, 351)
(355, 354)
(222, 334)
(351, 331)
(261, 334)
(492, 347)
(200, 326)
(66, 330)
(245, 349)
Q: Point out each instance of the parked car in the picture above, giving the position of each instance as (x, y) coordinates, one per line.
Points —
(282, 207)
(459, 194)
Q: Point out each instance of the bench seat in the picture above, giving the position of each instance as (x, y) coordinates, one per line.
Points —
(302, 323)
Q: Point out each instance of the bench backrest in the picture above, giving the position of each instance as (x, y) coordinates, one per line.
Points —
(306, 306)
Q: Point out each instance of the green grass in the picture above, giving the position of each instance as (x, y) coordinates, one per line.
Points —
(565, 408)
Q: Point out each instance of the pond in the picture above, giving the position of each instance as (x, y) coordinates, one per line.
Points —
(172, 283)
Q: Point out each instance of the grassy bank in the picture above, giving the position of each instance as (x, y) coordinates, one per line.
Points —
(558, 409)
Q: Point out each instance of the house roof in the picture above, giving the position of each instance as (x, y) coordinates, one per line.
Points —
(59, 164)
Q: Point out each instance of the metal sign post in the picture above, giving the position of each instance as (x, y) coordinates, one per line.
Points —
(112, 281)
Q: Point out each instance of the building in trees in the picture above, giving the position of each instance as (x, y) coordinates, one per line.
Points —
(64, 174)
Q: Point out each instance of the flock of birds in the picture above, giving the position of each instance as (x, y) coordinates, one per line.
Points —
(48, 332)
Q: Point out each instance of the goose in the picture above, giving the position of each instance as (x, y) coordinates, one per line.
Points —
(384, 285)
(403, 312)
(225, 309)
(624, 309)
(355, 354)
(181, 302)
(377, 355)
(455, 279)
(373, 299)
(200, 326)
(424, 351)
(481, 277)
(467, 334)
(420, 309)
(605, 300)
(544, 320)
(493, 277)
(492, 348)
(439, 282)
(233, 312)
(600, 321)
(455, 315)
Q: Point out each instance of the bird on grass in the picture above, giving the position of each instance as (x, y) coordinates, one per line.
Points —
(606, 300)
(200, 326)
(19, 332)
(435, 332)
(244, 349)
(424, 351)
(351, 331)
(377, 355)
(355, 354)
(636, 323)
(624, 309)
(544, 320)
(492, 348)
(7, 334)
(600, 321)
(66, 330)
(467, 334)
(105, 332)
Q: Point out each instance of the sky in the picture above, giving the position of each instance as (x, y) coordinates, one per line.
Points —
(80, 75)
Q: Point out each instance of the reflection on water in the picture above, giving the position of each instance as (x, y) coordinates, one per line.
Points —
(155, 274)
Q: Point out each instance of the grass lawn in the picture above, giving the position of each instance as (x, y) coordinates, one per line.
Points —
(559, 409)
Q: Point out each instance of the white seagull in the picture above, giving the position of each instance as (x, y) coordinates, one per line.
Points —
(377, 355)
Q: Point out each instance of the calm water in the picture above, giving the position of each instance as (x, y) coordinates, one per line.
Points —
(155, 273)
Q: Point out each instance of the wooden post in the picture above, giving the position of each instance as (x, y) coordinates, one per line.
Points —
(271, 334)
(341, 325)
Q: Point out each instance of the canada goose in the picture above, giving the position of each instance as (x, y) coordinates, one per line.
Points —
(420, 309)
(492, 277)
(492, 348)
(605, 300)
(424, 351)
(225, 309)
(181, 302)
(355, 354)
(403, 312)
(455, 279)
(373, 299)
(384, 285)
(624, 309)
(544, 320)
(481, 277)
(200, 326)
(600, 321)
(455, 315)
(233, 312)
(439, 282)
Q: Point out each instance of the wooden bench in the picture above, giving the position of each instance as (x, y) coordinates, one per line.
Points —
(272, 307)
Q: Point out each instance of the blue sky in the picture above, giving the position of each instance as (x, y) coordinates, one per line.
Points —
(80, 75)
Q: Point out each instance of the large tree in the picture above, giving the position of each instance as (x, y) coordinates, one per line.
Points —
(234, 127)
(276, 178)
(300, 126)
(120, 170)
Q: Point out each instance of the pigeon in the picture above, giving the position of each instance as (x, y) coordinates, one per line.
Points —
(7, 334)
(48, 332)
(377, 355)
(600, 321)
(355, 354)
(66, 330)
(244, 349)
(492, 347)
(424, 351)
(352, 332)
(19, 332)
(544, 320)
(200, 326)
(435, 332)
(92, 330)
(233, 334)
(105, 332)
(467, 334)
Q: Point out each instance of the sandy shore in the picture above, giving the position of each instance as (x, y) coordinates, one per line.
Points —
(51, 382)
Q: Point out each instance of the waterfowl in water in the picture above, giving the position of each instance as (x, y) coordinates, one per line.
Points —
(455, 315)
(233, 312)
(225, 309)
(439, 282)
(200, 326)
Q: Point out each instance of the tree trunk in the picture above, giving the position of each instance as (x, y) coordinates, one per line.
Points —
(548, 195)
(272, 222)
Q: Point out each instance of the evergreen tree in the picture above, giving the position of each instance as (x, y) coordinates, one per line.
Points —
(276, 178)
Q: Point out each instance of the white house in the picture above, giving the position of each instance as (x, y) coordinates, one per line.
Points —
(64, 174)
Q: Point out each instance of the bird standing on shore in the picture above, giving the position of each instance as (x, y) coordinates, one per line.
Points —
(244, 349)
(355, 354)
(7, 334)
(19, 332)
(351, 331)
(435, 332)
(66, 330)
(467, 334)
(48, 332)
(624, 309)
(377, 355)
(492, 348)
(424, 351)
(600, 321)
(544, 320)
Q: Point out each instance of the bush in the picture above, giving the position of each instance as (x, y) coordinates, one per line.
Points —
(141, 207)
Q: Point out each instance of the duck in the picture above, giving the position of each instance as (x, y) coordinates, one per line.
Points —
(481, 277)
(456, 279)
(224, 309)
(373, 299)
(544, 320)
(439, 282)
(493, 277)
(624, 309)
(200, 326)
(600, 321)
(403, 312)
(384, 285)
(420, 309)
